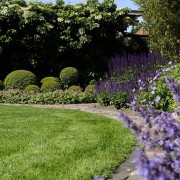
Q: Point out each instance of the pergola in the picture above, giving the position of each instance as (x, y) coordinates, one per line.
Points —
(134, 14)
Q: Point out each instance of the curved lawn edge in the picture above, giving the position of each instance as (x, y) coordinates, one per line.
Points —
(107, 154)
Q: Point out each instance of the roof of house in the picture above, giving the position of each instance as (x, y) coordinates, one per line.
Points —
(142, 31)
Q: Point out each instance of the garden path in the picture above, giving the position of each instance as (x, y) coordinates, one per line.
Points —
(126, 170)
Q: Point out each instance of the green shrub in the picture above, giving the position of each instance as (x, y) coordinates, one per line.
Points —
(119, 99)
(159, 93)
(19, 79)
(75, 88)
(103, 98)
(116, 99)
(56, 97)
(32, 88)
(90, 89)
(69, 76)
(1, 85)
(50, 78)
(50, 86)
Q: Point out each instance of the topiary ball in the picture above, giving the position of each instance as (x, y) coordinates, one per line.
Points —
(69, 76)
(32, 89)
(19, 79)
(50, 78)
(50, 86)
(1, 85)
(75, 88)
(90, 88)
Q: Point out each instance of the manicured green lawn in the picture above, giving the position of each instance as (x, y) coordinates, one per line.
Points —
(38, 143)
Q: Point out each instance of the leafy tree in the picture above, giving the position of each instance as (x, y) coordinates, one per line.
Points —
(46, 37)
(162, 20)
(59, 2)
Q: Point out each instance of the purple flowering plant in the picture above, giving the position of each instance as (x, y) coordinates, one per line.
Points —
(124, 68)
(126, 74)
(157, 92)
(161, 130)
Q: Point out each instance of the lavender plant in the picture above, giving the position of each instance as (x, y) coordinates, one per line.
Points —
(124, 68)
(110, 92)
(125, 73)
(161, 130)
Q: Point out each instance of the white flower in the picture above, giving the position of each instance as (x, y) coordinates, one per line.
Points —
(158, 98)
(99, 17)
(170, 63)
(152, 92)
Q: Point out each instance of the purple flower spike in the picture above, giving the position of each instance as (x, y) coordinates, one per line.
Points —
(162, 130)
(98, 178)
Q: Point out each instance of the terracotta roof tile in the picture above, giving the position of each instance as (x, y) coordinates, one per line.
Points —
(142, 31)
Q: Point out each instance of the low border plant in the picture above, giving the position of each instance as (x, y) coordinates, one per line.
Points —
(15, 96)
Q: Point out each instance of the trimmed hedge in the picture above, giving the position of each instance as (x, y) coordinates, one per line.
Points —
(50, 86)
(50, 78)
(32, 88)
(69, 76)
(19, 79)
(75, 88)
(90, 88)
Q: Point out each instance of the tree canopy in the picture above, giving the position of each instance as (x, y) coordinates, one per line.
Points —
(162, 18)
(36, 35)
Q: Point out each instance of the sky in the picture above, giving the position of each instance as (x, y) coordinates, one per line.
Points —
(120, 3)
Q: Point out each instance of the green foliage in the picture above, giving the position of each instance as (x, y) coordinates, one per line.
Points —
(50, 86)
(162, 20)
(75, 88)
(1, 85)
(159, 93)
(59, 3)
(116, 99)
(19, 79)
(119, 99)
(16, 96)
(85, 34)
(50, 78)
(69, 76)
(103, 98)
(90, 89)
(32, 89)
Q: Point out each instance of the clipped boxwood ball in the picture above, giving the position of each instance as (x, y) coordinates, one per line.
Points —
(19, 79)
(69, 76)
(50, 86)
(75, 88)
(32, 88)
(1, 85)
(90, 88)
(50, 78)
